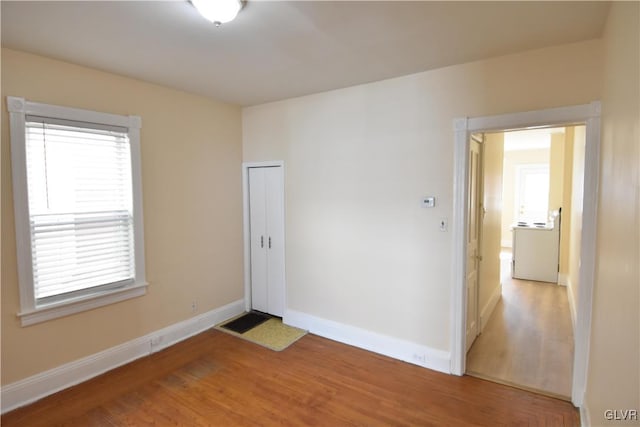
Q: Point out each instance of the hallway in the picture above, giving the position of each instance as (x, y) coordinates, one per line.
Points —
(528, 341)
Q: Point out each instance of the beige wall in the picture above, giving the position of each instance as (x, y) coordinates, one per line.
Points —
(614, 367)
(512, 159)
(567, 184)
(556, 170)
(491, 224)
(575, 215)
(360, 250)
(191, 157)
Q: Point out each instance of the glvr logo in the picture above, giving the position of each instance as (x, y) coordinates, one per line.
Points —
(621, 414)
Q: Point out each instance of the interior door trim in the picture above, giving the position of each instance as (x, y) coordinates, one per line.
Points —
(585, 114)
(246, 228)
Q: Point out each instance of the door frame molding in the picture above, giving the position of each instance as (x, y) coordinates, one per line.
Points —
(246, 225)
(587, 114)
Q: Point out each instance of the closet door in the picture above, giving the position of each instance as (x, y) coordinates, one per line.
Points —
(275, 240)
(259, 239)
(266, 215)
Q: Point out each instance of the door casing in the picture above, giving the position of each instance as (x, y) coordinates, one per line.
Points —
(586, 114)
(474, 242)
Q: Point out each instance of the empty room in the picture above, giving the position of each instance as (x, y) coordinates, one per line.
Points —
(225, 212)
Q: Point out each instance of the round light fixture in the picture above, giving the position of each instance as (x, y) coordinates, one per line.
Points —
(218, 11)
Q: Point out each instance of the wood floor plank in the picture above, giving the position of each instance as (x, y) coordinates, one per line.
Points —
(215, 379)
(528, 341)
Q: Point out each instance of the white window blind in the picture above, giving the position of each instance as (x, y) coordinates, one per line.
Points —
(80, 207)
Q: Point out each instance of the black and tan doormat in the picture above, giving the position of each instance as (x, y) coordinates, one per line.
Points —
(270, 332)
(248, 321)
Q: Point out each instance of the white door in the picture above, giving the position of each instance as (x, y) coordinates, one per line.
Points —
(266, 216)
(473, 234)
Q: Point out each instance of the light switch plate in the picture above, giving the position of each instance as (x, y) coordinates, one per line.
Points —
(428, 202)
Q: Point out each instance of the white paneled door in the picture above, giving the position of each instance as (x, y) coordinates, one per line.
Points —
(473, 239)
(266, 215)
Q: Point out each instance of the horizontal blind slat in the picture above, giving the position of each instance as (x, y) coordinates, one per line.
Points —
(104, 269)
(64, 263)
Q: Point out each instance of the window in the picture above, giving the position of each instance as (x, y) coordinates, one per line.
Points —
(532, 198)
(77, 197)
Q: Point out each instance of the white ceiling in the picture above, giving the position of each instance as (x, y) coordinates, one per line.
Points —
(282, 49)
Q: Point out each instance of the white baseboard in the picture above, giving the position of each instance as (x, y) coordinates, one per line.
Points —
(488, 308)
(45, 383)
(572, 306)
(421, 355)
(563, 279)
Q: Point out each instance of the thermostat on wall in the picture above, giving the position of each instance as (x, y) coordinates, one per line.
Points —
(428, 202)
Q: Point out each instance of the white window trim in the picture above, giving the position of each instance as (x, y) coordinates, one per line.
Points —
(30, 313)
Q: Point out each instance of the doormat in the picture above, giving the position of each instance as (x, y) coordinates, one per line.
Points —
(272, 334)
(243, 323)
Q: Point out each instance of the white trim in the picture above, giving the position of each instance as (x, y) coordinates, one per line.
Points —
(551, 117)
(582, 331)
(30, 313)
(407, 351)
(563, 279)
(22, 106)
(136, 188)
(458, 315)
(45, 383)
(246, 227)
(16, 107)
(588, 114)
(87, 302)
(570, 297)
(488, 308)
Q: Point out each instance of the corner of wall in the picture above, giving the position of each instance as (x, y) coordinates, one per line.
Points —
(417, 354)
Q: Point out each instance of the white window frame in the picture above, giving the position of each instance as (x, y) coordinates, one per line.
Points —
(31, 313)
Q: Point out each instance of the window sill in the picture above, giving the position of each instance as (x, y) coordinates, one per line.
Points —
(88, 302)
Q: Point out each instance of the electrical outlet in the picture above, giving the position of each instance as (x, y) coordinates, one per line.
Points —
(194, 306)
(157, 343)
(420, 358)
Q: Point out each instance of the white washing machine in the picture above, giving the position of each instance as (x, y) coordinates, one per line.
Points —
(536, 252)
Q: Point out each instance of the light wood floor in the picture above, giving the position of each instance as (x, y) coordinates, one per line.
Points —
(215, 379)
(528, 341)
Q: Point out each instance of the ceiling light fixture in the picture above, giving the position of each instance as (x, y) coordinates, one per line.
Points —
(218, 11)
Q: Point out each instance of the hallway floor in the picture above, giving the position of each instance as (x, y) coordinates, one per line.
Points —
(528, 341)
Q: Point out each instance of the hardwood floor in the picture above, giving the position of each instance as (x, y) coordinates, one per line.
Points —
(528, 340)
(215, 379)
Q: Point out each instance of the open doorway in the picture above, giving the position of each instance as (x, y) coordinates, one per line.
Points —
(588, 114)
(527, 178)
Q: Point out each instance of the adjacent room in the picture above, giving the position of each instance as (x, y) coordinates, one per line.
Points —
(526, 299)
(364, 179)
